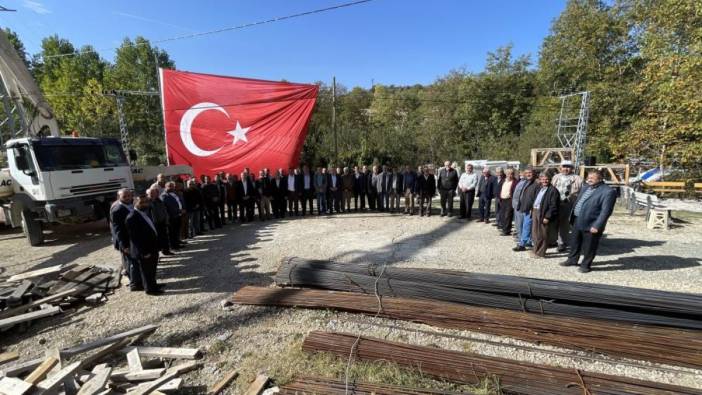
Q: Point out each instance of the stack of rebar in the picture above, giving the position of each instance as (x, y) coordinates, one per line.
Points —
(655, 344)
(322, 386)
(546, 297)
(514, 377)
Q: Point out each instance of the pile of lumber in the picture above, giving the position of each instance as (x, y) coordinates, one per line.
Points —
(515, 377)
(650, 343)
(110, 365)
(45, 292)
(544, 297)
(323, 386)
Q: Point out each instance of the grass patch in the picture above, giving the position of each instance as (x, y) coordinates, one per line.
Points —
(290, 361)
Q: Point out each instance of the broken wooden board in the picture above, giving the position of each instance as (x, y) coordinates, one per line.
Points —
(101, 374)
(71, 351)
(171, 373)
(142, 375)
(58, 378)
(41, 272)
(16, 296)
(223, 383)
(165, 352)
(257, 385)
(14, 386)
(41, 371)
(134, 360)
(8, 356)
(7, 322)
(21, 309)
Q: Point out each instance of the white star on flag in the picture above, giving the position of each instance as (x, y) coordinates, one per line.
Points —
(239, 133)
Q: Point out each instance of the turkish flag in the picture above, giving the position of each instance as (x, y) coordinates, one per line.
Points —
(224, 124)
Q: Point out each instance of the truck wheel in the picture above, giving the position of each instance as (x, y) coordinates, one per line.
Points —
(33, 230)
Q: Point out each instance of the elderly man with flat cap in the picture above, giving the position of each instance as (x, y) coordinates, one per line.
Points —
(568, 185)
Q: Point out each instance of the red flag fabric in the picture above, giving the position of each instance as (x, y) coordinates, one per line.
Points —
(224, 124)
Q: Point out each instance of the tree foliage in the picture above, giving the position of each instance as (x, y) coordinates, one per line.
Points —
(640, 59)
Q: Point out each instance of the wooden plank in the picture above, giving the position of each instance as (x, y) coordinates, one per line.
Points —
(134, 360)
(165, 352)
(173, 372)
(22, 367)
(112, 348)
(258, 385)
(8, 356)
(173, 385)
(17, 295)
(54, 381)
(14, 386)
(41, 272)
(142, 375)
(97, 383)
(38, 302)
(40, 372)
(7, 322)
(71, 351)
(223, 383)
(68, 282)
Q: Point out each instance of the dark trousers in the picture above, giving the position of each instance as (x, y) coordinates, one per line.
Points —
(498, 212)
(307, 197)
(372, 200)
(484, 208)
(425, 203)
(144, 273)
(506, 215)
(203, 218)
(231, 211)
(334, 201)
(361, 196)
(278, 206)
(446, 201)
(380, 204)
(126, 264)
(467, 199)
(293, 203)
(174, 232)
(246, 210)
(540, 233)
(584, 242)
(222, 213)
(213, 217)
(162, 233)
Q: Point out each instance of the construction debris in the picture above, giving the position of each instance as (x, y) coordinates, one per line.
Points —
(650, 343)
(36, 294)
(468, 368)
(63, 371)
(223, 383)
(544, 297)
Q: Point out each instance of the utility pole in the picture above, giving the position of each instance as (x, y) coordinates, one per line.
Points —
(571, 128)
(336, 141)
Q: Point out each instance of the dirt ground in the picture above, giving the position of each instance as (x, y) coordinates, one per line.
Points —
(215, 265)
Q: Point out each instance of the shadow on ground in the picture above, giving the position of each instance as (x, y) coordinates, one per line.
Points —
(647, 263)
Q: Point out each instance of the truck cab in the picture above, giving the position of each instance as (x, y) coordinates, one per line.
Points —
(62, 180)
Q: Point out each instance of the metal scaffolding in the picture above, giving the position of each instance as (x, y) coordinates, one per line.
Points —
(571, 128)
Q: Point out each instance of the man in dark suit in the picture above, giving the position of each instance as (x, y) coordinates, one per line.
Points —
(143, 247)
(448, 182)
(308, 190)
(544, 215)
(118, 216)
(246, 191)
(409, 180)
(425, 189)
(210, 193)
(485, 191)
(395, 189)
(372, 188)
(159, 216)
(279, 192)
(334, 191)
(293, 188)
(222, 203)
(524, 206)
(592, 209)
(360, 187)
(175, 209)
(382, 183)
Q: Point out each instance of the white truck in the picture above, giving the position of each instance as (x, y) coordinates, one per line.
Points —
(50, 179)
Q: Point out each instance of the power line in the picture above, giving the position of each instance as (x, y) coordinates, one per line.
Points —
(226, 29)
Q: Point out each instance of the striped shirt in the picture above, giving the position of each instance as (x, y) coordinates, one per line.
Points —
(581, 202)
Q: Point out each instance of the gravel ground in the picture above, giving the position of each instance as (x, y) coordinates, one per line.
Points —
(215, 265)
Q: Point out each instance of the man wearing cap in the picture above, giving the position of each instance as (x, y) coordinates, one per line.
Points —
(568, 185)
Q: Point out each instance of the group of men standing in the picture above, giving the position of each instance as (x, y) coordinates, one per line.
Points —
(544, 210)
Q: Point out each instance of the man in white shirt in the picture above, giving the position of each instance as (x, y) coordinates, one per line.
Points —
(466, 190)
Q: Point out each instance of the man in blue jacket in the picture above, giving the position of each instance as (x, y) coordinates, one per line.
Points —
(589, 216)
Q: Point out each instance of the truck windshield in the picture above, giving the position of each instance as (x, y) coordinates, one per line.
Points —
(67, 157)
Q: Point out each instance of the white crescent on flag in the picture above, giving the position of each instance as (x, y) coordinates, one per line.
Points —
(186, 122)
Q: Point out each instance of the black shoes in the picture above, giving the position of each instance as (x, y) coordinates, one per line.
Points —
(519, 248)
(568, 263)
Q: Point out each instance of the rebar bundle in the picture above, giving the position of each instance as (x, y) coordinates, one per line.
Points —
(546, 297)
(655, 344)
(322, 386)
(513, 377)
